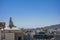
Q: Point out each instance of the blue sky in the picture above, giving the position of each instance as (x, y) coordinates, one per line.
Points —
(30, 13)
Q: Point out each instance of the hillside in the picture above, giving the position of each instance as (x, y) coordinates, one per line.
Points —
(53, 26)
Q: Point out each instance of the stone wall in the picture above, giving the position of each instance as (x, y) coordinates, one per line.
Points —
(9, 36)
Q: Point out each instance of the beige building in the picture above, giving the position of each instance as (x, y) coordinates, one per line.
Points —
(12, 34)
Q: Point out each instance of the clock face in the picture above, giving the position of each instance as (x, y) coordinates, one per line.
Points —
(2, 25)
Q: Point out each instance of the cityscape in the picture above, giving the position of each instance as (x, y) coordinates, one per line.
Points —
(12, 32)
(29, 19)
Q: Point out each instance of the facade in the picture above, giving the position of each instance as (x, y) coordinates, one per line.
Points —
(57, 36)
(11, 35)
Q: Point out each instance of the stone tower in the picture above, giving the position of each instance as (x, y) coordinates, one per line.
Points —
(11, 23)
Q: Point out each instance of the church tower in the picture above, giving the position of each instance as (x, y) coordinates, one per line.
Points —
(11, 25)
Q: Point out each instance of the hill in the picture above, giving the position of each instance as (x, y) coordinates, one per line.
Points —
(53, 26)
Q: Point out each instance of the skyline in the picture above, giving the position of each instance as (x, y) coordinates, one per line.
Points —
(30, 13)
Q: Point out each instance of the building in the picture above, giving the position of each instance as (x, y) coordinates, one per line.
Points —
(11, 32)
(57, 36)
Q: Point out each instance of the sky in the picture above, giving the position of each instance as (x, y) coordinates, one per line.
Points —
(30, 13)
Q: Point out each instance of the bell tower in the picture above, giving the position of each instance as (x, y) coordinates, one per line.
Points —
(11, 23)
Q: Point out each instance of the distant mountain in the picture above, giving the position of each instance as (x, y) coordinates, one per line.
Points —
(53, 26)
